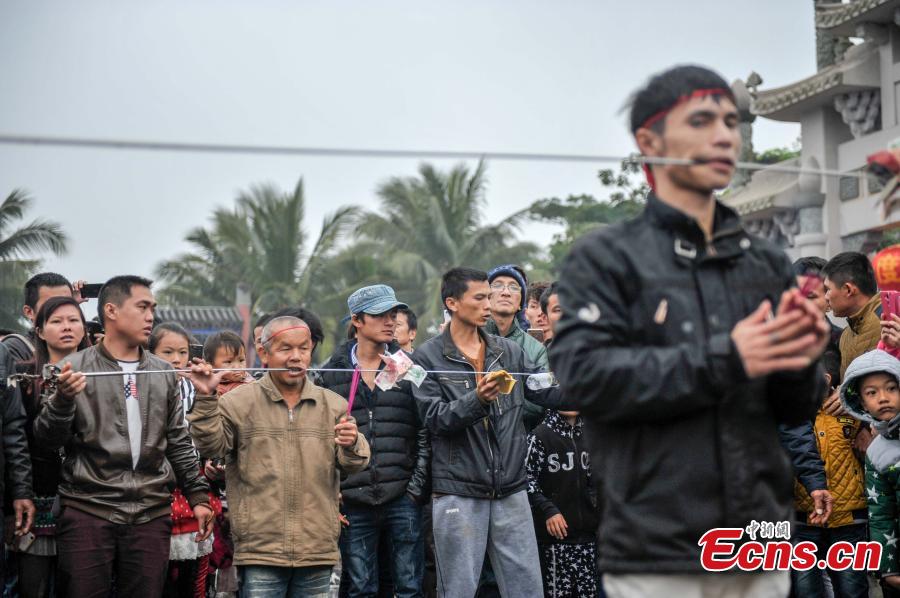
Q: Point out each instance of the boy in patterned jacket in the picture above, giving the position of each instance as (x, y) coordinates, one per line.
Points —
(871, 393)
(564, 505)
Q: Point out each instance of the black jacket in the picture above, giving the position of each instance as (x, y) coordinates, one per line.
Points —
(478, 450)
(682, 439)
(399, 444)
(559, 480)
(15, 463)
(46, 463)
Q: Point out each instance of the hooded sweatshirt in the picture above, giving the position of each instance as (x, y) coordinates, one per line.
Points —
(882, 456)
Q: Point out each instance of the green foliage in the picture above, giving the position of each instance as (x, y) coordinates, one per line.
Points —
(421, 227)
(427, 224)
(262, 244)
(580, 214)
(18, 246)
(776, 155)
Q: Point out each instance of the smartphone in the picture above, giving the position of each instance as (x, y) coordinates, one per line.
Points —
(537, 334)
(91, 291)
(196, 352)
(890, 304)
(25, 542)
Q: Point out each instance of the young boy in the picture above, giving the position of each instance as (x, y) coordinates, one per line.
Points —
(564, 505)
(225, 350)
(829, 499)
(871, 393)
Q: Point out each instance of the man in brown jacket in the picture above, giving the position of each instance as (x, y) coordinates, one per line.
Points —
(852, 293)
(126, 446)
(285, 442)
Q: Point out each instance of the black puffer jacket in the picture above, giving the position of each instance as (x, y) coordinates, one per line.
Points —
(682, 439)
(400, 445)
(479, 451)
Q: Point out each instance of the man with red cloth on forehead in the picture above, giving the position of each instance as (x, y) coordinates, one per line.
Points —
(286, 442)
(684, 344)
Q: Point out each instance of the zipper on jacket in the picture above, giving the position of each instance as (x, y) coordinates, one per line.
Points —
(578, 468)
(290, 414)
(487, 430)
(372, 463)
(710, 243)
(499, 408)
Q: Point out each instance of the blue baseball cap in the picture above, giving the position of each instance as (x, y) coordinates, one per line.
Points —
(373, 300)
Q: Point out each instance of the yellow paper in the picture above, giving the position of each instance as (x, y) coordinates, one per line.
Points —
(507, 382)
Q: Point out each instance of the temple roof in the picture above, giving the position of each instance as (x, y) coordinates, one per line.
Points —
(767, 190)
(858, 71)
(843, 19)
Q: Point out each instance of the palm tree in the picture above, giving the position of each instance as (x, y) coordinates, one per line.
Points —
(428, 224)
(261, 244)
(17, 249)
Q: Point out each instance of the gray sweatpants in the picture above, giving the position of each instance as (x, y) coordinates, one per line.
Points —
(464, 527)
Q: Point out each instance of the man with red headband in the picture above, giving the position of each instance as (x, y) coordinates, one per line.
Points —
(684, 344)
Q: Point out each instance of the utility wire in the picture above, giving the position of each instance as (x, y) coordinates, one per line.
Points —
(222, 148)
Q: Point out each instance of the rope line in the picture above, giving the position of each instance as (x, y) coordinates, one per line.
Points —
(51, 372)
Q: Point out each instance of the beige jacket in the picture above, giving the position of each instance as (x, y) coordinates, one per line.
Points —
(282, 470)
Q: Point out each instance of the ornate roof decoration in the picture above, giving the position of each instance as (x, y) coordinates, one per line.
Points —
(858, 71)
(847, 16)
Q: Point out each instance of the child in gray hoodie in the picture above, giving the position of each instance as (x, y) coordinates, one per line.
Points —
(871, 393)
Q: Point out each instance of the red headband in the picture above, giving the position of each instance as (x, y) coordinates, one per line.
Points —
(274, 334)
(697, 93)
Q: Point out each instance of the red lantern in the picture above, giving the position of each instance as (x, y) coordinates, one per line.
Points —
(887, 268)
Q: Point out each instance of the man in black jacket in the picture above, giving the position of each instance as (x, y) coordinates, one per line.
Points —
(478, 444)
(385, 498)
(685, 345)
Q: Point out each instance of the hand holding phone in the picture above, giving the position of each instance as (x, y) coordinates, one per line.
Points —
(25, 542)
(889, 304)
(90, 291)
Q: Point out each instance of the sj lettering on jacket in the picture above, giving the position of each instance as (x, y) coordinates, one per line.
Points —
(554, 463)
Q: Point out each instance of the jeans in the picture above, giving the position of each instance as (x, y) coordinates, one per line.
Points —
(285, 582)
(402, 520)
(849, 584)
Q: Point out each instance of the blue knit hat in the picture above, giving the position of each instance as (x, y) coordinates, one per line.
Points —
(513, 271)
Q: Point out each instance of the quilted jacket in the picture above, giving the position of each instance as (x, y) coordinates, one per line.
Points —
(844, 472)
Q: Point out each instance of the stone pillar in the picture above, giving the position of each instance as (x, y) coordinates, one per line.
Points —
(822, 131)
(811, 240)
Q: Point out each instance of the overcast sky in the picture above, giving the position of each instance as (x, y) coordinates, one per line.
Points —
(514, 76)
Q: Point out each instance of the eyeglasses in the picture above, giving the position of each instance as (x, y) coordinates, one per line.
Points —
(512, 287)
